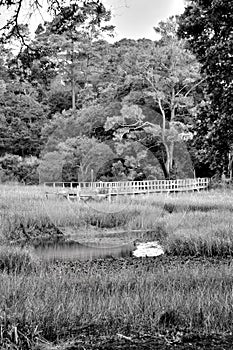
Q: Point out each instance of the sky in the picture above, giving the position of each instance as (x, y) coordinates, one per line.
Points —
(135, 19)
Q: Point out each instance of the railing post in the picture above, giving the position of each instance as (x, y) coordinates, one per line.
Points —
(109, 195)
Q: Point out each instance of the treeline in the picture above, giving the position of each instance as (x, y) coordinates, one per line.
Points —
(74, 107)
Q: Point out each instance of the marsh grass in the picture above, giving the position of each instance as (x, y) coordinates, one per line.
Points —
(59, 303)
(16, 259)
(55, 303)
(201, 234)
(185, 223)
(19, 210)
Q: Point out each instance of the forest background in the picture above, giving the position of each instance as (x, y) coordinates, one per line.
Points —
(74, 107)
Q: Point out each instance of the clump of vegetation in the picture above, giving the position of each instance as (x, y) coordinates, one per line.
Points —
(158, 233)
(202, 234)
(17, 259)
(197, 246)
(111, 220)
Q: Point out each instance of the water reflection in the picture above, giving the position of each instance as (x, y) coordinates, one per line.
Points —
(72, 251)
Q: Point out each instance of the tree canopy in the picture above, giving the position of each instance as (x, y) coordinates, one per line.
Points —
(133, 109)
(208, 28)
(89, 11)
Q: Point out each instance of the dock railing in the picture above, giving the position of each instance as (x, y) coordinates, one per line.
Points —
(131, 187)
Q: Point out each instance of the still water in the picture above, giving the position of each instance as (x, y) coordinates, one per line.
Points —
(73, 251)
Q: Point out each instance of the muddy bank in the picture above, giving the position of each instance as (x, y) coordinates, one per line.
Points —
(173, 339)
(165, 261)
(30, 233)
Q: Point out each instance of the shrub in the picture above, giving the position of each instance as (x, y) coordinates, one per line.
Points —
(14, 168)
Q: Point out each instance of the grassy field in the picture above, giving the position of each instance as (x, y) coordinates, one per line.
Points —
(190, 287)
(185, 224)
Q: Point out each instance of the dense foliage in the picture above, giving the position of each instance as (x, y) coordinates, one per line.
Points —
(208, 28)
(86, 109)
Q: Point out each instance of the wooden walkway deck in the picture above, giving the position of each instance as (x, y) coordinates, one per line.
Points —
(108, 189)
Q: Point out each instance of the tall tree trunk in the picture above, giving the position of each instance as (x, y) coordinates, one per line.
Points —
(168, 148)
(163, 118)
(72, 75)
(168, 160)
(171, 146)
(164, 170)
(173, 105)
(171, 153)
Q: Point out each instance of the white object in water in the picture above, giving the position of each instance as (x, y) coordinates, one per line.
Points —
(148, 249)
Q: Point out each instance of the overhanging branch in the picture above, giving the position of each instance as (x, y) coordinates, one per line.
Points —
(194, 86)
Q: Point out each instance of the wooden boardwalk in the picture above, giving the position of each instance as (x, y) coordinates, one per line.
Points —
(108, 189)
